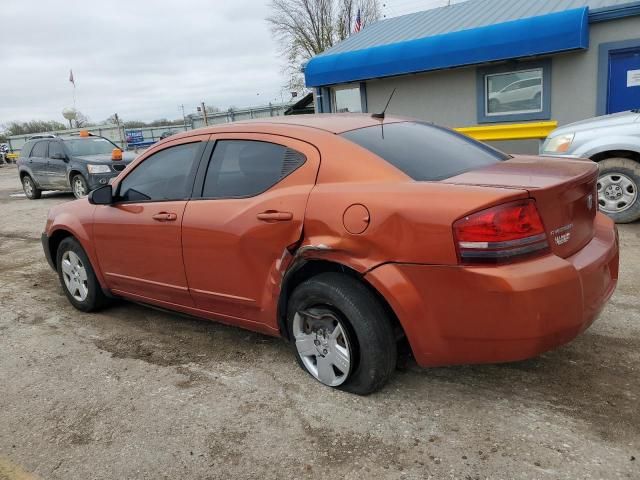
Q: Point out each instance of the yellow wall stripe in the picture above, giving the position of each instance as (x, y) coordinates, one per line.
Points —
(510, 131)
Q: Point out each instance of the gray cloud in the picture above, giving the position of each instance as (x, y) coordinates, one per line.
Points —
(140, 59)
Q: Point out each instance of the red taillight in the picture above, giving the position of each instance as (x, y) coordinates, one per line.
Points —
(501, 234)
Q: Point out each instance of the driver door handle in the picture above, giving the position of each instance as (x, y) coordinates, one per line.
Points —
(275, 216)
(165, 217)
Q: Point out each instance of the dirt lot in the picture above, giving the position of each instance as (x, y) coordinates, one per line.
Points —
(137, 393)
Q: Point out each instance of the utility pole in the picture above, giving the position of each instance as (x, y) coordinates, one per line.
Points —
(184, 118)
(122, 142)
(204, 114)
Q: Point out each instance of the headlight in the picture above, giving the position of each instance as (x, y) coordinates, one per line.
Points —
(559, 144)
(98, 168)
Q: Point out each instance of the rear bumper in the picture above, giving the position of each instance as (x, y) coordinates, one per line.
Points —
(456, 314)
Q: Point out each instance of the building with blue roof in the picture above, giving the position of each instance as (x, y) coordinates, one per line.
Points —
(488, 62)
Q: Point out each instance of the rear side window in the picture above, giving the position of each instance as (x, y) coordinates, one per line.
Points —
(39, 150)
(26, 150)
(425, 152)
(166, 175)
(244, 168)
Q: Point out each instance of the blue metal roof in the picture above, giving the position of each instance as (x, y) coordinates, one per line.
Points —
(472, 32)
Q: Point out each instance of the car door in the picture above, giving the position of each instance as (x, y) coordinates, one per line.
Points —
(138, 238)
(38, 163)
(251, 208)
(57, 165)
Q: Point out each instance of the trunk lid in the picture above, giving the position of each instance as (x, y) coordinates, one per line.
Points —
(564, 191)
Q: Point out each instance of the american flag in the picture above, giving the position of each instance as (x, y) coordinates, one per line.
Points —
(358, 24)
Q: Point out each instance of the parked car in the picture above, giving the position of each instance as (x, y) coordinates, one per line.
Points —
(525, 94)
(78, 163)
(614, 142)
(4, 152)
(347, 234)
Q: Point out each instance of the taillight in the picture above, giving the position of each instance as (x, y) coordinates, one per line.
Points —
(501, 234)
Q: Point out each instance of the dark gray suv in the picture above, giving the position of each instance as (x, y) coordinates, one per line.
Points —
(79, 163)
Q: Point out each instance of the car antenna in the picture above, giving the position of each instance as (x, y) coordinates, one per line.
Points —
(381, 114)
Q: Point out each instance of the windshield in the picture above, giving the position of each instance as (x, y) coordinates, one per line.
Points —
(424, 151)
(90, 146)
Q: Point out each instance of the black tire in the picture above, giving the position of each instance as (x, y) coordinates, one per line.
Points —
(368, 328)
(631, 170)
(82, 186)
(29, 187)
(95, 298)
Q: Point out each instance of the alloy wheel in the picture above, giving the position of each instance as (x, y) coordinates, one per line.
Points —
(28, 186)
(74, 275)
(616, 192)
(323, 345)
(79, 187)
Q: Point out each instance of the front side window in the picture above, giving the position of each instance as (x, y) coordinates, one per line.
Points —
(55, 148)
(39, 150)
(507, 94)
(244, 168)
(425, 152)
(165, 175)
(347, 99)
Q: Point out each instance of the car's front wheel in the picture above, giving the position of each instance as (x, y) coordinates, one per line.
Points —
(29, 187)
(77, 277)
(79, 186)
(342, 334)
(618, 185)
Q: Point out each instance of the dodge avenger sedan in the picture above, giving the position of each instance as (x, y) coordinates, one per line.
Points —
(346, 235)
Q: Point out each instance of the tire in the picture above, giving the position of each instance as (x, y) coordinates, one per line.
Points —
(619, 189)
(78, 278)
(29, 187)
(79, 186)
(331, 314)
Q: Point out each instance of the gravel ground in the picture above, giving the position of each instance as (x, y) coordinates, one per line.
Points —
(136, 393)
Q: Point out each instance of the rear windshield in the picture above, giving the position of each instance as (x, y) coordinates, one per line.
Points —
(424, 151)
(90, 146)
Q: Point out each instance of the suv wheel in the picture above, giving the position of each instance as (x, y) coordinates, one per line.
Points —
(618, 189)
(342, 335)
(30, 190)
(79, 186)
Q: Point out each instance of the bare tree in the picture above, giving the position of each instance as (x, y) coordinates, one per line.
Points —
(305, 28)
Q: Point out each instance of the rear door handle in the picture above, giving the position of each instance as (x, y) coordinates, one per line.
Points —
(275, 216)
(165, 217)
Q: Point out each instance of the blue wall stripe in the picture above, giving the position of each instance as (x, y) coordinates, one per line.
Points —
(544, 34)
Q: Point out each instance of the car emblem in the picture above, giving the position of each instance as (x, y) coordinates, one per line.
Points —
(562, 235)
(590, 201)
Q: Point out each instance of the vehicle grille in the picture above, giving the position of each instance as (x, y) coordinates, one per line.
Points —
(119, 167)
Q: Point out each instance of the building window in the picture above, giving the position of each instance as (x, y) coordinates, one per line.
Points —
(346, 99)
(508, 94)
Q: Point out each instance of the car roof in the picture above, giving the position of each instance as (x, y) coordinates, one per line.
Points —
(331, 122)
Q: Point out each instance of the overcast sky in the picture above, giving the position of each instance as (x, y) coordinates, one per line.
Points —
(141, 59)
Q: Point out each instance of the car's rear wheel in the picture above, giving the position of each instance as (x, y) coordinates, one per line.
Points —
(78, 278)
(79, 186)
(342, 334)
(29, 187)
(618, 189)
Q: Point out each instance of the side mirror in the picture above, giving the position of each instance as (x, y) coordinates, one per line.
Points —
(59, 156)
(101, 196)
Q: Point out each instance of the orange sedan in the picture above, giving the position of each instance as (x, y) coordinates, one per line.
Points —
(347, 234)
